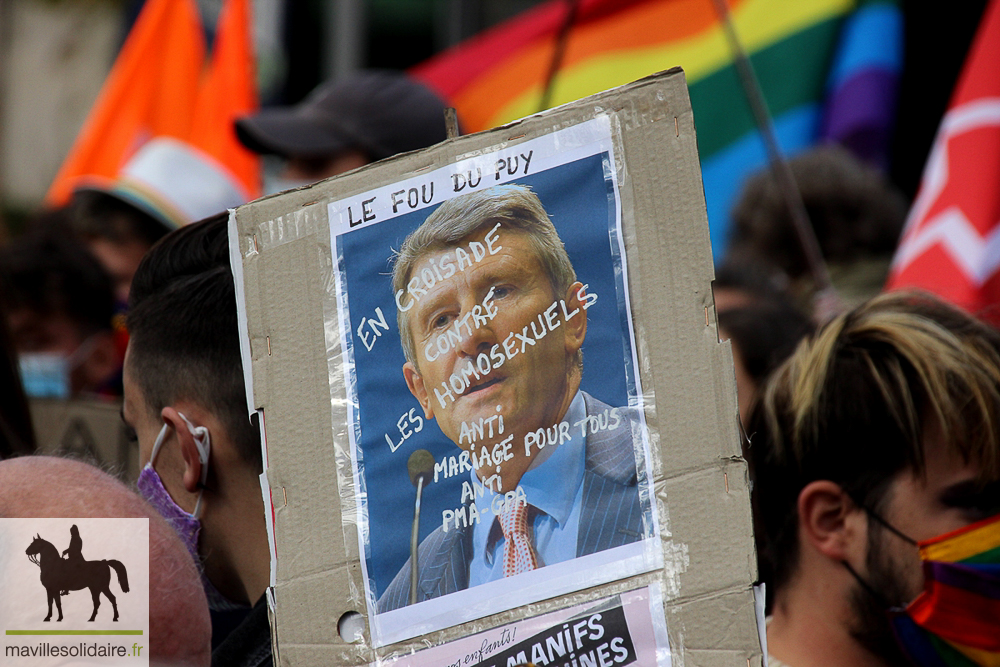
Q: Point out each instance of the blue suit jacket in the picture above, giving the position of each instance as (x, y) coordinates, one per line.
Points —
(611, 516)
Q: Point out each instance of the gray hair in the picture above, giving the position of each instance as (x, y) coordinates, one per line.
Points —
(512, 206)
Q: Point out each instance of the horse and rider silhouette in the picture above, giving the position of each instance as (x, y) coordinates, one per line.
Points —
(60, 575)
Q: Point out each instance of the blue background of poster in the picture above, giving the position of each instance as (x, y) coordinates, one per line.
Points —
(579, 200)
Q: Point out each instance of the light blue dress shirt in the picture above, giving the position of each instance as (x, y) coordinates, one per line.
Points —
(553, 486)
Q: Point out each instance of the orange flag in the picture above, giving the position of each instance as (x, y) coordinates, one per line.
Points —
(227, 92)
(150, 92)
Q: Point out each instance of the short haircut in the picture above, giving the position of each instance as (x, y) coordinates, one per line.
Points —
(514, 207)
(765, 332)
(853, 405)
(184, 336)
(98, 215)
(855, 213)
(54, 275)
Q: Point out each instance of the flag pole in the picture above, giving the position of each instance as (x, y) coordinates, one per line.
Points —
(557, 54)
(827, 302)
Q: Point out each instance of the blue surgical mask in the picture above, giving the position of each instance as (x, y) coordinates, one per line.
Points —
(48, 374)
(45, 374)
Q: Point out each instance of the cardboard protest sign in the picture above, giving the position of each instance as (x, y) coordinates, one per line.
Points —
(492, 389)
(89, 429)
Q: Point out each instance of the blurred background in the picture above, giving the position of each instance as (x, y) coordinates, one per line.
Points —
(55, 55)
(852, 92)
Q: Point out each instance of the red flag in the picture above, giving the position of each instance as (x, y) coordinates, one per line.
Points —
(951, 243)
(227, 92)
(150, 91)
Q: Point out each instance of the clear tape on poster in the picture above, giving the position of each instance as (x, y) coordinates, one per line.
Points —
(620, 629)
(354, 343)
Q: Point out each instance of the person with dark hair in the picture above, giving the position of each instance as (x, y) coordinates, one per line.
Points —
(117, 233)
(185, 398)
(762, 322)
(764, 334)
(875, 453)
(59, 304)
(345, 124)
(17, 435)
(166, 184)
(856, 215)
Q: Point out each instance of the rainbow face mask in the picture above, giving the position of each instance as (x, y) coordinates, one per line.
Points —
(955, 621)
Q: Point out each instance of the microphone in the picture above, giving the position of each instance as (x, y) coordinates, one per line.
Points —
(420, 466)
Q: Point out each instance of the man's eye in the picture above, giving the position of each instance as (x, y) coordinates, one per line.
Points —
(976, 504)
(500, 291)
(440, 322)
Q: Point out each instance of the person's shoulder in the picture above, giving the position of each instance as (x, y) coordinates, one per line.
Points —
(249, 644)
(622, 417)
(612, 433)
(436, 554)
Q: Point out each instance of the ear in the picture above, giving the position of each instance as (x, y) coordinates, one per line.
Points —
(189, 451)
(831, 522)
(415, 384)
(576, 326)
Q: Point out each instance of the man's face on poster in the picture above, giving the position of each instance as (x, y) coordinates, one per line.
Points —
(531, 389)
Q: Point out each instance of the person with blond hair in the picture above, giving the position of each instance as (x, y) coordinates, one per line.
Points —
(875, 452)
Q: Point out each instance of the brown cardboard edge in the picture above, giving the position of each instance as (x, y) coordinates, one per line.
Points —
(301, 226)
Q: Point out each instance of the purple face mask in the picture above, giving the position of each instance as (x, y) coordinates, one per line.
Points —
(187, 526)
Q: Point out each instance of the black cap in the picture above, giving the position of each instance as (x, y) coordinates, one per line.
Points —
(378, 112)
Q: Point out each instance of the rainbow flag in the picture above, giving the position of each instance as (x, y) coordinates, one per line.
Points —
(955, 621)
(827, 69)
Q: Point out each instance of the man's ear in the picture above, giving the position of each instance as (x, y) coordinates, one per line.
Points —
(415, 384)
(189, 450)
(831, 522)
(576, 326)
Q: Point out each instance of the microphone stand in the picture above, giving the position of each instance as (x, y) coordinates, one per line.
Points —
(414, 537)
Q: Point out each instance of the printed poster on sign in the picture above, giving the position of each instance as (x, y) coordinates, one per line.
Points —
(627, 629)
(490, 364)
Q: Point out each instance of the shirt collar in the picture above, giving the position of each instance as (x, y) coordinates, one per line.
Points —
(550, 484)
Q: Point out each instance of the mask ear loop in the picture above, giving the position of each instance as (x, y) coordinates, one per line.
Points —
(203, 443)
(79, 355)
(865, 585)
(882, 522)
(157, 444)
(888, 526)
(892, 529)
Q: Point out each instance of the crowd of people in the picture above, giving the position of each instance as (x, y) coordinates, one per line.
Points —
(871, 437)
